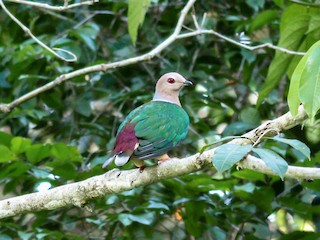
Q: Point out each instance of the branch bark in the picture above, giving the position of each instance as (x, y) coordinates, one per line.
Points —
(115, 181)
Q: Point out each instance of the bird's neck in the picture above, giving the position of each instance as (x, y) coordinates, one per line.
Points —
(166, 98)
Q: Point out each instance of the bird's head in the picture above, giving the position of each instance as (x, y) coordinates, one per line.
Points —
(172, 82)
(168, 87)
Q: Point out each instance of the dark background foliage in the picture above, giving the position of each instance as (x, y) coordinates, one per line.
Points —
(65, 134)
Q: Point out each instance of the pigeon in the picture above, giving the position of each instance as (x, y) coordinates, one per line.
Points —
(154, 128)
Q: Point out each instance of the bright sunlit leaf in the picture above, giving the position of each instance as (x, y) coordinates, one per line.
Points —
(136, 13)
(310, 82)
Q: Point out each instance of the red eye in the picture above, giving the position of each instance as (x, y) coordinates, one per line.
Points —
(171, 80)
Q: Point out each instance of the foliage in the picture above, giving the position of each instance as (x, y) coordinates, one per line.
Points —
(136, 13)
(63, 135)
(305, 83)
(299, 29)
(229, 154)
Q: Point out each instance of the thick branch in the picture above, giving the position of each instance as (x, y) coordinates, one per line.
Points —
(115, 181)
(302, 173)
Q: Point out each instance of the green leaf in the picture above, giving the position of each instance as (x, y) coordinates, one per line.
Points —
(229, 154)
(87, 33)
(6, 155)
(314, 23)
(274, 161)
(37, 152)
(5, 237)
(157, 205)
(293, 97)
(24, 235)
(136, 13)
(217, 233)
(250, 115)
(65, 153)
(296, 144)
(238, 128)
(65, 170)
(127, 219)
(15, 170)
(310, 82)
(262, 19)
(249, 175)
(40, 173)
(249, 56)
(247, 187)
(5, 139)
(295, 83)
(294, 25)
(255, 4)
(124, 219)
(83, 107)
(145, 218)
(20, 144)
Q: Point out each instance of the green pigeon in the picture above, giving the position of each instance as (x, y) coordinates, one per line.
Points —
(154, 128)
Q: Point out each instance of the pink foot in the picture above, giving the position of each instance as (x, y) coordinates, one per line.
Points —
(162, 161)
(163, 158)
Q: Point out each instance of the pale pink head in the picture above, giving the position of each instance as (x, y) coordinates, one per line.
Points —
(169, 86)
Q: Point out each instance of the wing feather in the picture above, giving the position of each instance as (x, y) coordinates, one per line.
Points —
(159, 128)
(155, 126)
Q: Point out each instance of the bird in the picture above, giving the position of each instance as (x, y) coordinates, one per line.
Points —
(154, 128)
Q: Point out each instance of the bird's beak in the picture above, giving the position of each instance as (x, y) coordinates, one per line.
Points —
(188, 83)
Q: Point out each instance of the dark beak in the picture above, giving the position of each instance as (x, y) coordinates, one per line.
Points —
(188, 83)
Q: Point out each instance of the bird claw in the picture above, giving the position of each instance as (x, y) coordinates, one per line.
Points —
(141, 168)
(162, 161)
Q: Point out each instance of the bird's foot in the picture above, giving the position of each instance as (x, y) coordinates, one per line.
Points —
(163, 158)
(141, 168)
(139, 164)
(162, 161)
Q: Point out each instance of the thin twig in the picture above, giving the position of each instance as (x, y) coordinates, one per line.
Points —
(267, 131)
(195, 21)
(203, 21)
(57, 15)
(55, 8)
(251, 48)
(28, 31)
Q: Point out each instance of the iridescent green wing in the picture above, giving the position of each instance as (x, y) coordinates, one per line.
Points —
(159, 127)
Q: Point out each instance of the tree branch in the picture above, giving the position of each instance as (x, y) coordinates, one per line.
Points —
(115, 181)
(7, 107)
(37, 40)
(55, 8)
(230, 40)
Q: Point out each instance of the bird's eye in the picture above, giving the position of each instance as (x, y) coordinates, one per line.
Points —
(171, 80)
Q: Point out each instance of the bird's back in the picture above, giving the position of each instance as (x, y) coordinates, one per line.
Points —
(157, 126)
